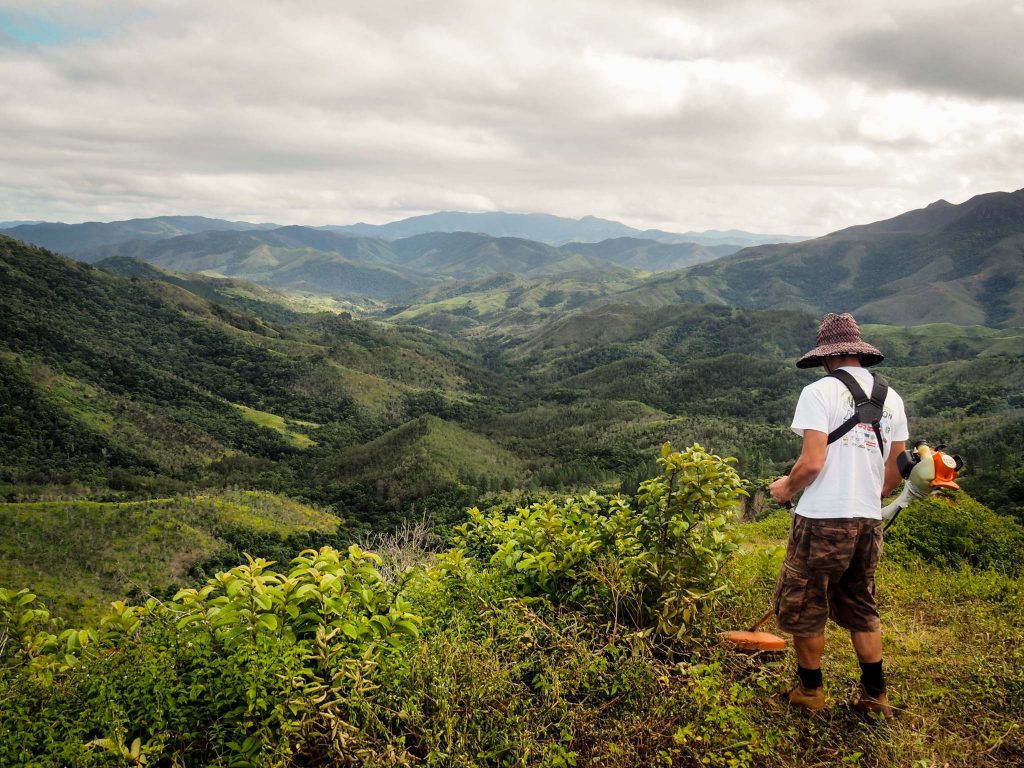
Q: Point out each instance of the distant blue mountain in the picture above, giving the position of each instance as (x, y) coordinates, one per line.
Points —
(317, 260)
(21, 222)
(77, 239)
(72, 239)
(553, 230)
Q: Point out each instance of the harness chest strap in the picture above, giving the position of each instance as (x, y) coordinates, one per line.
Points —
(866, 410)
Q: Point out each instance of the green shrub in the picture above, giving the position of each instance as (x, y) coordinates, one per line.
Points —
(957, 530)
(257, 667)
(647, 564)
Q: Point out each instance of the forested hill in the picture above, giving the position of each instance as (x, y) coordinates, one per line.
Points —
(945, 263)
(112, 382)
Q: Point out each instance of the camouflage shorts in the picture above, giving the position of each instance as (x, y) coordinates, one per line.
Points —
(829, 571)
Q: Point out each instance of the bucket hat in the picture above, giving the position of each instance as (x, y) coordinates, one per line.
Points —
(840, 335)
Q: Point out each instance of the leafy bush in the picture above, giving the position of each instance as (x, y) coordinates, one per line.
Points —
(255, 668)
(646, 564)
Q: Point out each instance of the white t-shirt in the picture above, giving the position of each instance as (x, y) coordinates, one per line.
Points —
(850, 483)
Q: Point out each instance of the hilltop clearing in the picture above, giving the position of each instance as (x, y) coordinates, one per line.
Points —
(545, 635)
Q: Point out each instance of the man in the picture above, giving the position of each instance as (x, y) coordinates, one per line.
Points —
(836, 536)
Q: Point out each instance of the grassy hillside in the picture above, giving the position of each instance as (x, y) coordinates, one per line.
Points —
(952, 648)
(652, 256)
(139, 348)
(425, 464)
(506, 305)
(80, 555)
(467, 255)
(266, 303)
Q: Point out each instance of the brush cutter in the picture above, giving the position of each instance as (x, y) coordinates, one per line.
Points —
(925, 471)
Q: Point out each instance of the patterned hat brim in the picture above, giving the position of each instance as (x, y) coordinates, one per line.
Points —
(869, 355)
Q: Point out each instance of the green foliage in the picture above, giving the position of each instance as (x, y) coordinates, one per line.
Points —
(257, 667)
(649, 565)
(111, 550)
(463, 660)
(959, 531)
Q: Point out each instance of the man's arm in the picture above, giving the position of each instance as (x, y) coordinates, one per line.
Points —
(892, 470)
(806, 469)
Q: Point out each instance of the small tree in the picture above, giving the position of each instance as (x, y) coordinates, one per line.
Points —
(648, 564)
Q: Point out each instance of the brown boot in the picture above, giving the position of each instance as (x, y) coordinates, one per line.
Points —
(810, 699)
(874, 705)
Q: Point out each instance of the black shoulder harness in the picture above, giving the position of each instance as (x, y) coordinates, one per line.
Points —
(866, 410)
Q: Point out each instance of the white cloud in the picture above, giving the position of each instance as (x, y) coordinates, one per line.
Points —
(764, 116)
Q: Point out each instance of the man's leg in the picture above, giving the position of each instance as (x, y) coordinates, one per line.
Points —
(852, 603)
(801, 610)
(809, 693)
(868, 646)
(809, 650)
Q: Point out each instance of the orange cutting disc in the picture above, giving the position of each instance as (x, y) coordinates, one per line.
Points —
(754, 641)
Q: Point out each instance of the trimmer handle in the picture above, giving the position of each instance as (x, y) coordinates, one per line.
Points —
(762, 621)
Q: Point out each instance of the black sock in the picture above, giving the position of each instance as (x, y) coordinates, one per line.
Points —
(872, 678)
(809, 678)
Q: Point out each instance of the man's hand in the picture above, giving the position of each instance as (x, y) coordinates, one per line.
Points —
(780, 490)
(806, 469)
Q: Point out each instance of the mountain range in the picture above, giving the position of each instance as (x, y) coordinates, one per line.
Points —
(71, 239)
(319, 261)
(297, 258)
(554, 230)
(18, 223)
(158, 381)
(943, 263)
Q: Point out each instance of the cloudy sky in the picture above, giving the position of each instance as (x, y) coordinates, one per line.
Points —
(800, 116)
